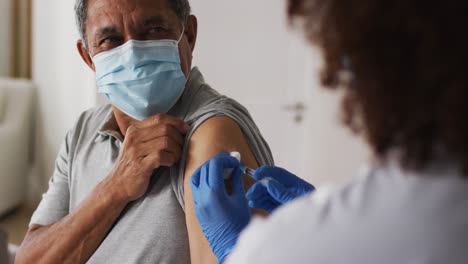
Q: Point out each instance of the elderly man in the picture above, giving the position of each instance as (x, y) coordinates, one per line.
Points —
(117, 194)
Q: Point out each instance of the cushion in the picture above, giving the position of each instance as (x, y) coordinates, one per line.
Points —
(4, 255)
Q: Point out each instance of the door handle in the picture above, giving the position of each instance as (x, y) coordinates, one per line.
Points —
(298, 110)
(297, 107)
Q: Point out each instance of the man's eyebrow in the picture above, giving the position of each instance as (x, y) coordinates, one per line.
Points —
(105, 30)
(154, 20)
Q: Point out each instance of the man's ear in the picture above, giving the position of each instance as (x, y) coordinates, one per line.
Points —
(85, 54)
(191, 31)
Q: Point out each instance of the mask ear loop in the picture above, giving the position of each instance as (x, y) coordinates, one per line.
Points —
(181, 35)
(180, 38)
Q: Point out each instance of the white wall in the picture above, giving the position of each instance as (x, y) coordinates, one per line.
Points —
(246, 50)
(65, 84)
(5, 37)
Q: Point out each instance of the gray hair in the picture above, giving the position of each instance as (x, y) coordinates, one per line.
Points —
(180, 7)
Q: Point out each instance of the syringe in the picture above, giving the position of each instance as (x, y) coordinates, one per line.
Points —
(246, 170)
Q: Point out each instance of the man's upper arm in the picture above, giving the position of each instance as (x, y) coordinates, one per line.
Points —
(217, 134)
(55, 202)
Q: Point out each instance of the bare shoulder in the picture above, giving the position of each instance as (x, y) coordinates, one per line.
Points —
(215, 135)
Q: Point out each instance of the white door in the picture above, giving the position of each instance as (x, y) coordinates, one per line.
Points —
(247, 50)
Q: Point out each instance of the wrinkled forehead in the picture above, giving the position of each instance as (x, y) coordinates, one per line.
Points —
(124, 13)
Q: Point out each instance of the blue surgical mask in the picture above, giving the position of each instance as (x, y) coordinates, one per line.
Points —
(141, 78)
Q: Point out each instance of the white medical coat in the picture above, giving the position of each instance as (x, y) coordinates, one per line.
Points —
(384, 216)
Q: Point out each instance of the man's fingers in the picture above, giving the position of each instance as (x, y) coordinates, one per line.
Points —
(160, 158)
(153, 132)
(161, 144)
(160, 119)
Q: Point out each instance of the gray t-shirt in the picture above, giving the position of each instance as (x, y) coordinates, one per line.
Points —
(151, 229)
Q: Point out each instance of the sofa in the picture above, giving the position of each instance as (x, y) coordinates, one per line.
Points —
(7, 251)
(4, 255)
(15, 141)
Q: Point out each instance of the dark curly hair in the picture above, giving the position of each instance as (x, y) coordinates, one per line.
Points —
(402, 65)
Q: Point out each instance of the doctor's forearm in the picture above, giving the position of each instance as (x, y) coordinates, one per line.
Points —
(76, 237)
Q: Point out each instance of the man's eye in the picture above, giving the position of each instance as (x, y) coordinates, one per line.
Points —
(110, 40)
(157, 30)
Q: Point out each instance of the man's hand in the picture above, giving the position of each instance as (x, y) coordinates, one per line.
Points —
(148, 145)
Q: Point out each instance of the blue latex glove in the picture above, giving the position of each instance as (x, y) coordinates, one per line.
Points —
(275, 187)
(222, 217)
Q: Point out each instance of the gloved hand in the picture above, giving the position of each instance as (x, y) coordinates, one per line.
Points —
(275, 187)
(222, 217)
